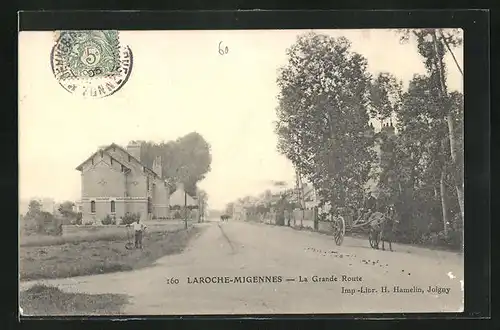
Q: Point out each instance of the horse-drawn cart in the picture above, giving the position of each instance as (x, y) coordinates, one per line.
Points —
(339, 226)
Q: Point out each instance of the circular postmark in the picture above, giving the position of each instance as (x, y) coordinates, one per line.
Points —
(91, 63)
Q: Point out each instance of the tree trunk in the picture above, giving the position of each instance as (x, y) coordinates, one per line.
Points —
(451, 128)
(444, 203)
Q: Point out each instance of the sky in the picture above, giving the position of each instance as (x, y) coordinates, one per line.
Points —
(180, 83)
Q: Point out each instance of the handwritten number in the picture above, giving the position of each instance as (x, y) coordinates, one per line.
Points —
(223, 51)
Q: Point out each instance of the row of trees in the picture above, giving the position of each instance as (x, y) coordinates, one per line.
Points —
(327, 104)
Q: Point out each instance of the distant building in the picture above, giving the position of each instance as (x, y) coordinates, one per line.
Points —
(239, 212)
(310, 197)
(180, 198)
(115, 182)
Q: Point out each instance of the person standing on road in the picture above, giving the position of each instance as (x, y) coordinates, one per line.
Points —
(370, 206)
(138, 229)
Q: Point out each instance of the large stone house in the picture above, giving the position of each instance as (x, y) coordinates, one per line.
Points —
(116, 182)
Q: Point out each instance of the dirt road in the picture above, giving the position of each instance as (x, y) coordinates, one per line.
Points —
(310, 273)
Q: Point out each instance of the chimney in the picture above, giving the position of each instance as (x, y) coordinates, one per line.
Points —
(157, 166)
(134, 149)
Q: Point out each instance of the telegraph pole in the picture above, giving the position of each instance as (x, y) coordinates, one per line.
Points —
(185, 210)
(300, 195)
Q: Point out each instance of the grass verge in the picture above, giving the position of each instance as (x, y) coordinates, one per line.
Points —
(48, 300)
(89, 234)
(97, 257)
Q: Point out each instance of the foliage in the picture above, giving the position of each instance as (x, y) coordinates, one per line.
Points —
(34, 209)
(328, 104)
(323, 116)
(203, 198)
(66, 211)
(129, 218)
(432, 45)
(109, 220)
(40, 222)
(48, 224)
(412, 162)
(79, 217)
(186, 160)
(386, 93)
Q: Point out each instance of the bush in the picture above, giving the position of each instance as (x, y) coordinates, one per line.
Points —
(107, 220)
(48, 224)
(130, 218)
(78, 219)
(88, 223)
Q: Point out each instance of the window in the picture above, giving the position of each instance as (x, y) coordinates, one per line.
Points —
(92, 207)
(113, 207)
(92, 160)
(129, 159)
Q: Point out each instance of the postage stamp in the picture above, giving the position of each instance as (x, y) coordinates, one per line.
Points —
(90, 63)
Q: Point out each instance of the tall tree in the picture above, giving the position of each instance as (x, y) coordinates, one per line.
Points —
(421, 148)
(432, 46)
(323, 116)
(415, 168)
(186, 160)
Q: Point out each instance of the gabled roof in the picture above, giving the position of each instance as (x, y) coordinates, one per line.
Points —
(80, 167)
(177, 198)
(114, 145)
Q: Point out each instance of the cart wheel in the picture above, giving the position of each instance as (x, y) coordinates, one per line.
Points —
(338, 229)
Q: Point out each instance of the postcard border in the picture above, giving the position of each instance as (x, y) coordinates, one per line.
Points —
(476, 90)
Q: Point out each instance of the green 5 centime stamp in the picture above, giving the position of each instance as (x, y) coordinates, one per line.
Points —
(92, 63)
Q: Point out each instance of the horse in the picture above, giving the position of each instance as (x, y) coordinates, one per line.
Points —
(385, 228)
(224, 217)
